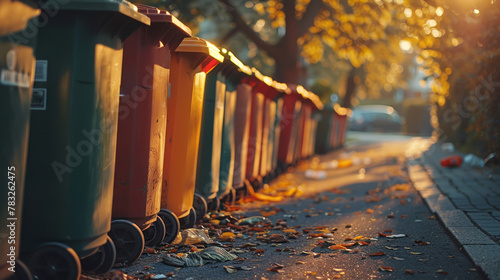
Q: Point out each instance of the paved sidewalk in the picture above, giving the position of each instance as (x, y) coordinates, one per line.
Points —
(466, 200)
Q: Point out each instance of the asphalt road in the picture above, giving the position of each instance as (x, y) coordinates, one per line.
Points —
(371, 196)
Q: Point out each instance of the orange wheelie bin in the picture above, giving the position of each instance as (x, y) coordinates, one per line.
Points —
(142, 123)
(189, 64)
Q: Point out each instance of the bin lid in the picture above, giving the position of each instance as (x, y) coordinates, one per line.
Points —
(14, 15)
(307, 95)
(159, 16)
(342, 111)
(200, 46)
(120, 6)
(267, 85)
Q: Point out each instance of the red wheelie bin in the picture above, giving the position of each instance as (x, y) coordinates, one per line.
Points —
(190, 63)
(259, 127)
(241, 133)
(290, 120)
(338, 126)
(142, 124)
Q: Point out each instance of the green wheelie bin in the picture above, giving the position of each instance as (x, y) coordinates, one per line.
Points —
(276, 131)
(215, 173)
(207, 172)
(72, 142)
(325, 120)
(16, 83)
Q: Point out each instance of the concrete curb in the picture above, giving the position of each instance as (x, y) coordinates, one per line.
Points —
(482, 250)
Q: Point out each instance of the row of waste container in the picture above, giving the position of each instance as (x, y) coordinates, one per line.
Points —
(127, 129)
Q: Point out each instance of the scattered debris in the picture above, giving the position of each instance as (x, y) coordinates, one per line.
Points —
(206, 256)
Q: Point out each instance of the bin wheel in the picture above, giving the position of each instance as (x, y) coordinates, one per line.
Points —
(154, 234)
(200, 206)
(103, 260)
(213, 204)
(128, 240)
(257, 183)
(22, 272)
(54, 261)
(190, 220)
(172, 225)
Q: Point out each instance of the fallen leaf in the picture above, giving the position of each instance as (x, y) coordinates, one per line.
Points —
(264, 197)
(150, 250)
(337, 269)
(277, 238)
(315, 255)
(349, 244)
(391, 216)
(440, 271)
(230, 269)
(386, 268)
(300, 262)
(402, 202)
(369, 211)
(398, 259)
(247, 245)
(357, 213)
(404, 216)
(310, 273)
(409, 271)
(358, 237)
(400, 187)
(385, 233)
(337, 247)
(420, 242)
(277, 268)
(416, 253)
(267, 214)
(259, 251)
(391, 248)
(257, 229)
(363, 243)
(377, 254)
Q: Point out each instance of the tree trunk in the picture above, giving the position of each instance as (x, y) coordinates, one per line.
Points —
(350, 88)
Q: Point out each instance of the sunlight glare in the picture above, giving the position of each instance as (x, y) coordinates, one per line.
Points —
(405, 45)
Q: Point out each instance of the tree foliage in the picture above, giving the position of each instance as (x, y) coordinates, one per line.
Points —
(455, 43)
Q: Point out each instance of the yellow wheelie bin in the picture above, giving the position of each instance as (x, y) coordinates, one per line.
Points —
(190, 63)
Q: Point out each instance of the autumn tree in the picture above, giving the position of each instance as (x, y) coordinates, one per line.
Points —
(297, 33)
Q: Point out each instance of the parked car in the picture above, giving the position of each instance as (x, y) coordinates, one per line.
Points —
(375, 118)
